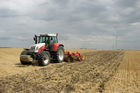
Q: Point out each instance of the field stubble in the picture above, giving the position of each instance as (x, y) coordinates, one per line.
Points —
(87, 76)
(127, 77)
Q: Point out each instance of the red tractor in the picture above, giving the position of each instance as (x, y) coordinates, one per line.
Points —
(46, 48)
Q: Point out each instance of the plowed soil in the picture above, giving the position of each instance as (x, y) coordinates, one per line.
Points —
(88, 76)
(10, 64)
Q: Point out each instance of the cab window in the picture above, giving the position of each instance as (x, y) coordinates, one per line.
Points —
(43, 39)
(55, 39)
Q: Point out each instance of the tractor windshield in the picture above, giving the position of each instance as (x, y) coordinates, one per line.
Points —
(43, 39)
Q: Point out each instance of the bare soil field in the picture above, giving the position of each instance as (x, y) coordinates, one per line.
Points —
(98, 73)
(10, 64)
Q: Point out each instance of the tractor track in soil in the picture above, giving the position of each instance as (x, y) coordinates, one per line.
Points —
(87, 76)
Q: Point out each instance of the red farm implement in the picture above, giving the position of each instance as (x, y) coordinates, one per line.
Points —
(70, 57)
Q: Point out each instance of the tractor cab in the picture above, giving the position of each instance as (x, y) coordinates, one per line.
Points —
(48, 39)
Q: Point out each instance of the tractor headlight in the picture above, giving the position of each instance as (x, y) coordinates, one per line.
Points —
(33, 48)
(36, 48)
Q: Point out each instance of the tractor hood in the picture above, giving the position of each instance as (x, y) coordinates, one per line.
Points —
(36, 47)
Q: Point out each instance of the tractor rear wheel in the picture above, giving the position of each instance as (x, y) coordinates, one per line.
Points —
(24, 52)
(60, 54)
(44, 58)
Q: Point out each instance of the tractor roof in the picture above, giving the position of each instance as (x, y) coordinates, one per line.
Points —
(48, 34)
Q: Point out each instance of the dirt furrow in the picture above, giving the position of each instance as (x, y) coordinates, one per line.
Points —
(88, 76)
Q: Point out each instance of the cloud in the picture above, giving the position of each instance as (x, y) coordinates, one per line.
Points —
(80, 23)
(126, 3)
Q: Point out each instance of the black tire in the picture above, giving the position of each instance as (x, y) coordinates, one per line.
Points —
(60, 54)
(24, 52)
(44, 58)
(68, 59)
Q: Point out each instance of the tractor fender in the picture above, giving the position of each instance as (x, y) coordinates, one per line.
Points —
(56, 45)
(42, 48)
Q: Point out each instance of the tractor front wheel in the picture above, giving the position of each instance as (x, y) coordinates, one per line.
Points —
(44, 58)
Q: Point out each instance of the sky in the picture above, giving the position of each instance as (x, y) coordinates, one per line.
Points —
(96, 24)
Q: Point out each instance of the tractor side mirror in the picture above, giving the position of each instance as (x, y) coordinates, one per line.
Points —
(35, 39)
